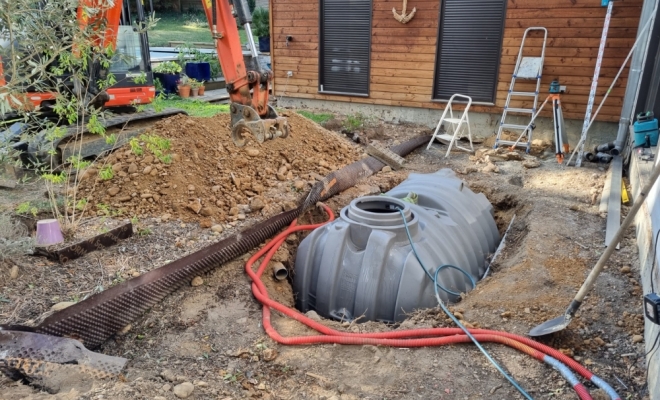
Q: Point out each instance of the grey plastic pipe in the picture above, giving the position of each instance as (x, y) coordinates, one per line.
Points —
(280, 272)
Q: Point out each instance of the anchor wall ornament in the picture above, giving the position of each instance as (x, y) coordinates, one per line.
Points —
(403, 18)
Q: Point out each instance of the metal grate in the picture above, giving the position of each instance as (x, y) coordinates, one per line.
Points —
(469, 47)
(345, 45)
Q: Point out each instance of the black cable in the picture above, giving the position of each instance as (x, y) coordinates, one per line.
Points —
(654, 344)
(648, 363)
(655, 249)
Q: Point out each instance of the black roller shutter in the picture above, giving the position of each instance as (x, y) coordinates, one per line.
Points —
(469, 48)
(345, 44)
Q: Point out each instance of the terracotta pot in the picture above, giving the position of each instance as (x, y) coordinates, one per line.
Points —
(184, 91)
(201, 90)
(194, 91)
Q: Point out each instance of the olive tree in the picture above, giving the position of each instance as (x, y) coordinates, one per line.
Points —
(45, 48)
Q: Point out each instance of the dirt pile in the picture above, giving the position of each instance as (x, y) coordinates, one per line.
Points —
(209, 178)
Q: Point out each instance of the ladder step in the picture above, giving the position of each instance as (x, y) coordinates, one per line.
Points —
(531, 94)
(452, 120)
(520, 110)
(529, 68)
(514, 126)
(445, 138)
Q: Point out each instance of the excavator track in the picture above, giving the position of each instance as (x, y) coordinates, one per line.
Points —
(124, 125)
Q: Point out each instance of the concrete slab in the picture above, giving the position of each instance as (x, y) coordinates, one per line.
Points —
(481, 124)
(213, 96)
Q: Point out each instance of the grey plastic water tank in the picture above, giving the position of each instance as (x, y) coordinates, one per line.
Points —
(362, 263)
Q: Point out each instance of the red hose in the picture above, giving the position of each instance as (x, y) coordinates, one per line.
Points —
(408, 338)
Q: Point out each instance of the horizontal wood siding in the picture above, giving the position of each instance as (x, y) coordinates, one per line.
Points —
(403, 56)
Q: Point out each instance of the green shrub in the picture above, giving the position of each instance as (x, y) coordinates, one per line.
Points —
(261, 22)
(167, 67)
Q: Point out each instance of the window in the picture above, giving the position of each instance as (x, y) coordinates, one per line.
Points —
(469, 47)
(345, 44)
(128, 56)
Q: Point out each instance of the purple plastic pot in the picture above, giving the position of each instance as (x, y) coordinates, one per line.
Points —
(49, 232)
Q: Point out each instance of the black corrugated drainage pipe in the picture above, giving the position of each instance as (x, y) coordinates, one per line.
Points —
(362, 263)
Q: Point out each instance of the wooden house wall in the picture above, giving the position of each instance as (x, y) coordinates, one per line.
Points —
(403, 56)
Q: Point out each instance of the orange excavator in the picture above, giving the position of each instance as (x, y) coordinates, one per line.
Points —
(248, 88)
(121, 27)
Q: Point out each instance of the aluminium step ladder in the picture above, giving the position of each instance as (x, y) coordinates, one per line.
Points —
(527, 68)
(457, 125)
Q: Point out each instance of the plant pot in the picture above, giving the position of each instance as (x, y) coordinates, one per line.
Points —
(168, 81)
(264, 44)
(200, 71)
(201, 91)
(184, 91)
(194, 92)
(49, 232)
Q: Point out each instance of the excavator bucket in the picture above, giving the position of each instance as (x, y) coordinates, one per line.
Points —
(246, 123)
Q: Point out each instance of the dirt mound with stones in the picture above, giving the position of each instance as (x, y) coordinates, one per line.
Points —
(210, 179)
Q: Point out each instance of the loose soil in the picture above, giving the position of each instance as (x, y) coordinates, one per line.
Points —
(211, 335)
(211, 179)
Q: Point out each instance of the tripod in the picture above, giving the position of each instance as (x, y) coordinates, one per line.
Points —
(561, 140)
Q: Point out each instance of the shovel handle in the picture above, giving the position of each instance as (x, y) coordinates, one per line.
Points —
(593, 275)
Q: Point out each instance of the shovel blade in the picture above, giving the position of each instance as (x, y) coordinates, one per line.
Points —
(552, 326)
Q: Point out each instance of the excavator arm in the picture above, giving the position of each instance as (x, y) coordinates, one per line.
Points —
(248, 86)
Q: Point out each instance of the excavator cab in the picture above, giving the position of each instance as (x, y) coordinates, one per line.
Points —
(120, 27)
(124, 30)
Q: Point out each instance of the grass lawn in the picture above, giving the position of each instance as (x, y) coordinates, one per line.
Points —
(183, 27)
(319, 118)
(194, 108)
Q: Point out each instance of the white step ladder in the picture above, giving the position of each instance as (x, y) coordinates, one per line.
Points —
(527, 68)
(457, 124)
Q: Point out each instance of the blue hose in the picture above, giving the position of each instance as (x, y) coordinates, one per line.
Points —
(437, 285)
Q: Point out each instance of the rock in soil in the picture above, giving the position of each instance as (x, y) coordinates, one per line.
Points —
(299, 185)
(638, 339)
(269, 354)
(183, 390)
(217, 228)
(168, 375)
(197, 281)
(257, 204)
(530, 163)
(13, 274)
(491, 168)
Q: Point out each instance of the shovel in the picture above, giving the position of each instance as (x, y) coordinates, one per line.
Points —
(559, 323)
